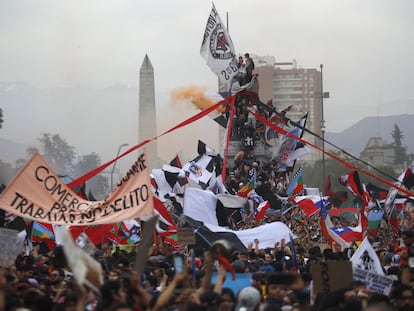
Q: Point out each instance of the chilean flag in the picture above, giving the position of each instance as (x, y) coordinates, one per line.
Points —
(261, 210)
(311, 204)
(341, 235)
(262, 207)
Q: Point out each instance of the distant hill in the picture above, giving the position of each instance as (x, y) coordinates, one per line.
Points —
(356, 136)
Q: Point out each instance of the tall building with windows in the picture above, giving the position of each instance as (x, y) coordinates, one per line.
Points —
(147, 118)
(288, 85)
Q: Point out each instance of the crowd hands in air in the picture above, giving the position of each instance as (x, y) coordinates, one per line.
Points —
(277, 282)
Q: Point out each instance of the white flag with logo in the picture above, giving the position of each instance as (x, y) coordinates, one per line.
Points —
(217, 48)
(366, 258)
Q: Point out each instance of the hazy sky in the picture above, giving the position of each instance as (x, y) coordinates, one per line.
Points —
(366, 47)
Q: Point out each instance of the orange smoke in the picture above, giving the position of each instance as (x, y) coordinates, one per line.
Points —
(194, 95)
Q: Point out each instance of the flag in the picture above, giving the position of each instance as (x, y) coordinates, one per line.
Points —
(352, 182)
(408, 178)
(262, 205)
(200, 205)
(374, 220)
(290, 149)
(244, 191)
(97, 233)
(296, 186)
(217, 48)
(268, 234)
(366, 258)
(176, 162)
(396, 214)
(311, 204)
(166, 180)
(392, 194)
(335, 197)
(43, 232)
(203, 168)
(261, 210)
(165, 225)
(342, 235)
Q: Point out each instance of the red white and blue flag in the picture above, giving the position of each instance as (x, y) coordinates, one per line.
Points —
(311, 204)
(343, 235)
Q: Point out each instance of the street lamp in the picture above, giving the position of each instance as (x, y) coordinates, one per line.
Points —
(113, 167)
(323, 95)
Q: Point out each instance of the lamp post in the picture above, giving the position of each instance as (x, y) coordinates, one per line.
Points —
(322, 130)
(323, 95)
(113, 167)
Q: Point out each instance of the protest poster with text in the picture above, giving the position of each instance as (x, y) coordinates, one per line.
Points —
(39, 194)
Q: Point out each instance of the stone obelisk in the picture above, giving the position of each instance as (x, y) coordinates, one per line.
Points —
(147, 118)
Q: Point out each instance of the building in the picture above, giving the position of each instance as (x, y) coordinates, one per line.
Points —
(378, 153)
(147, 127)
(287, 85)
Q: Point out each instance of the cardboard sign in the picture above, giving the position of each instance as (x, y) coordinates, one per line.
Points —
(145, 244)
(373, 281)
(186, 236)
(331, 275)
(86, 270)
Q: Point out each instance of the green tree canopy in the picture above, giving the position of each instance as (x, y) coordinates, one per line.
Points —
(98, 185)
(57, 153)
(400, 151)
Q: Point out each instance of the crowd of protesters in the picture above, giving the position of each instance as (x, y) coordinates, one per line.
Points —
(280, 277)
(42, 281)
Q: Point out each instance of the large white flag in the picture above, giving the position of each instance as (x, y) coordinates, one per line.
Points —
(217, 48)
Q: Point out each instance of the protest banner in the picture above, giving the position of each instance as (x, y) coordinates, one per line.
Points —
(375, 282)
(39, 194)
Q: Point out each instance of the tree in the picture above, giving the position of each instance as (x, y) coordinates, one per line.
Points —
(98, 185)
(400, 151)
(57, 153)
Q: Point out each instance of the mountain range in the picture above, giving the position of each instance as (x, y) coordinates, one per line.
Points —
(356, 136)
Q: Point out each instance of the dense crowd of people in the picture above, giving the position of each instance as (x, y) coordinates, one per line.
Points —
(195, 278)
(280, 278)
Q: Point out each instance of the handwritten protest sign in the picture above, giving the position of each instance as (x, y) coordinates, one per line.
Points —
(373, 281)
(39, 194)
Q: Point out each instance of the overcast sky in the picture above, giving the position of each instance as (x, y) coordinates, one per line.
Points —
(366, 47)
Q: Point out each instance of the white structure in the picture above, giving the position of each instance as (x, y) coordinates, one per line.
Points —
(147, 127)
